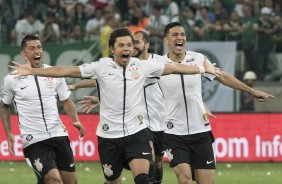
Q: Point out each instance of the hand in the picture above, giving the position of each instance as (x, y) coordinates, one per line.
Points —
(88, 104)
(210, 68)
(21, 69)
(80, 128)
(71, 87)
(11, 141)
(262, 96)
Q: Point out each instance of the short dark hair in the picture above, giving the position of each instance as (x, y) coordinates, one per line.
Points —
(119, 32)
(28, 38)
(169, 26)
(145, 38)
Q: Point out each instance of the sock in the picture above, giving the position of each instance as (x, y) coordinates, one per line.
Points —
(152, 173)
(159, 175)
(141, 179)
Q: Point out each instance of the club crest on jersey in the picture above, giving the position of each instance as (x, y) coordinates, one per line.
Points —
(134, 73)
(29, 137)
(140, 118)
(169, 125)
(105, 127)
(169, 155)
(49, 82)
(38, 165)
(107, 170)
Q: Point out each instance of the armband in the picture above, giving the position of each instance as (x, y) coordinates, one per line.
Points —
(202, 69)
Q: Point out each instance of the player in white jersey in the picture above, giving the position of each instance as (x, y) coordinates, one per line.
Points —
(45, 140)
(187, 131)
(121, 136)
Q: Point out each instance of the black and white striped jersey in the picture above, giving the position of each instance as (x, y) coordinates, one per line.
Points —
(185, 111)
(36, 103)
(120, 91)
(153, 99)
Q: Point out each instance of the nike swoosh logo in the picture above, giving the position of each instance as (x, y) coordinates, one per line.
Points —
(143, 153)
(209, 162)
(71, 165)
(23, 87)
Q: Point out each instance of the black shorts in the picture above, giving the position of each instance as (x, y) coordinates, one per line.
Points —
(195, 150)
(51, 153)
(116, 153)
(157, 139)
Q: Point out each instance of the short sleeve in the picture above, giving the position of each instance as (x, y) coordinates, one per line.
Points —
(7, 92)
(154, 69)
(90, 70)
(63, 90)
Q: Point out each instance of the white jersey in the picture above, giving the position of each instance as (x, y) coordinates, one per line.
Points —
(185, 111)
(120, 92)
(36, 102)
(153, 100)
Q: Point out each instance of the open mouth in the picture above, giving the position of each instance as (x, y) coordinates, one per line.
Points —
(179, 45)
(125, 56)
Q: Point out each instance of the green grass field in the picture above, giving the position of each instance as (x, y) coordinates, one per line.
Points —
(90, 173)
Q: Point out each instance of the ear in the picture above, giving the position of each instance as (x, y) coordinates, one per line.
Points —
(112, 50)
(147, 45)
(165, 40)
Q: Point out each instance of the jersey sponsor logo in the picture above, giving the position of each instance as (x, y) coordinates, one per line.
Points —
(134, 73)
(105, 127)
(38, 165)
(29, 137)
(169, 154)
(209, 162)
(170, 125)
(24, 87)
(107, 170)
(189, 60)
(205, 117)
(140, 118)
(49, 82)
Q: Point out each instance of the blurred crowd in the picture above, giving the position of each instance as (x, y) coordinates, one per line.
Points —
(256, 25)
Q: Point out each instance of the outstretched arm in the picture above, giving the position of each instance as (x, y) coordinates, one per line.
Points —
(186, 69)
(56, 71)
(230, 81)
(84, 84)
(5, 116)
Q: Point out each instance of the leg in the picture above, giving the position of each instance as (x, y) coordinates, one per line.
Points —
(140, 168)
(69, 177)
(116, 181)
(53, 177)
(159, 169)
(204, 176)
(183, 173)
(152, 170)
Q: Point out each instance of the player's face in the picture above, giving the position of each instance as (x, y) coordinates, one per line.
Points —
(33, 51)
(176, 40)
(122, 50)
(139, 45)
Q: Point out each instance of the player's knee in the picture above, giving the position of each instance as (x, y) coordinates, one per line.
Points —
(141, 179)
(53, 179)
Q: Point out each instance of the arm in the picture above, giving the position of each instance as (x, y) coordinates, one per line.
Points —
(56, 71)
(230, 81)
(84, 84)
(5, 116)
(209, 111)
(186, 69)
(70, 109)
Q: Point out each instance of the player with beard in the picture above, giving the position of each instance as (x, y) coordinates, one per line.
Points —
(122, 138)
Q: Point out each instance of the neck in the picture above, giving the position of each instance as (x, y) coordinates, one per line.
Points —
(144, 56)
(176, 57)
